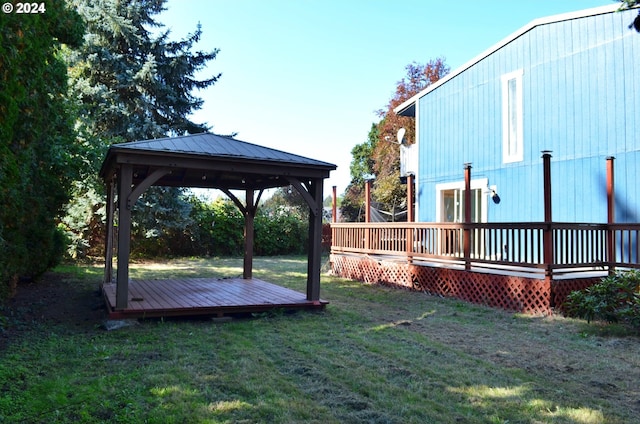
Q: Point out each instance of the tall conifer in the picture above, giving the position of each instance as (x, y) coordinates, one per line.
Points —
(132, 82)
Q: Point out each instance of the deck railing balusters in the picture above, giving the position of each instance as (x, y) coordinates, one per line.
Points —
(497, 245)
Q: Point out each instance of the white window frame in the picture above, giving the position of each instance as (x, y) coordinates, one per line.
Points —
(477, 184)
(448, 246)
(512, 138)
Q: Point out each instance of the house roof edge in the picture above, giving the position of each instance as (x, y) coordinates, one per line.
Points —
(407, 108)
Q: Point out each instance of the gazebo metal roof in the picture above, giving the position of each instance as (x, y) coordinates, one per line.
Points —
(208, 160)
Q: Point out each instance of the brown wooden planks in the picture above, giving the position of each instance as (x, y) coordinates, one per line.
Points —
(203, 296)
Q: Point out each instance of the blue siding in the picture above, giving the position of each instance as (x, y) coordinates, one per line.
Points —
(579, 100)
(626, 180)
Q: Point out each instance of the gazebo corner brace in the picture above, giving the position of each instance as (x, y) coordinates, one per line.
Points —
(145, 184)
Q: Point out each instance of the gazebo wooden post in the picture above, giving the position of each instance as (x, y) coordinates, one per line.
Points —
(249, 214)
(108, 251)
(248, 211)
(311, 191)
(124, 235)
(315, 240)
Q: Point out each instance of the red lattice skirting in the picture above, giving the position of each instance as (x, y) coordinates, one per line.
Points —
(560, 289)
(528, 295)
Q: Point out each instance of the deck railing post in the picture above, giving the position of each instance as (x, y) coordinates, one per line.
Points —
(334, 205)
(410, 231)
(367, 213)
(547, 237)
(467, 217)
(409, 236)
(334, 218)
(410, 196)
(367, 201)
(611, 217)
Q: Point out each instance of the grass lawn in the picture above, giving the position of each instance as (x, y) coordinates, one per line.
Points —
(374, 355)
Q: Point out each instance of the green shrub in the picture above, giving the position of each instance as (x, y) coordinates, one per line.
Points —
(217, 229)
(280, 234)
(616, 299)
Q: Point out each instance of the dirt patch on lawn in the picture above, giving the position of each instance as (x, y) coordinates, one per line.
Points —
(54, 300)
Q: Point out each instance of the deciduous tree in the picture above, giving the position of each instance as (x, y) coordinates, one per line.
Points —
(379, 155)
(361, 169)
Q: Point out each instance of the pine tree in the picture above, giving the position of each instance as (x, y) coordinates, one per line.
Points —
(131, 82)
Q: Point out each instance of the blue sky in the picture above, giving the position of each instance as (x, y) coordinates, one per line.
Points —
(307, 76)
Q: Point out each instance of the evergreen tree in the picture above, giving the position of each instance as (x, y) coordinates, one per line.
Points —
(135, 84)
(37, 151)
(131, 82)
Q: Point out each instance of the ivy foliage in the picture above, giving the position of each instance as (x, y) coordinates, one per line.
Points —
(37, 139)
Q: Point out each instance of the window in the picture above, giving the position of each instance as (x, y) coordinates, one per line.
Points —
(512, 134)
(453, 205)
(450, 208)
(450, 201)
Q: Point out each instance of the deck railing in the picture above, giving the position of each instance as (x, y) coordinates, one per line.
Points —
(550, 249)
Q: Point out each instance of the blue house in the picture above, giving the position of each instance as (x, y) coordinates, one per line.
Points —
(569, 84)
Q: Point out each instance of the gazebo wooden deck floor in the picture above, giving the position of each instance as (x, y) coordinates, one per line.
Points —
(204, 296)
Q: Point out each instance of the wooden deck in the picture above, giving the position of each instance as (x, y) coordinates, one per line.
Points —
(204, 296)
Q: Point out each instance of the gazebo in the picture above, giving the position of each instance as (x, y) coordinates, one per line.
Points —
(205, 160)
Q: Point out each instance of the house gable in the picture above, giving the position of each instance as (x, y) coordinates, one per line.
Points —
(407, 108)
(578, 100)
